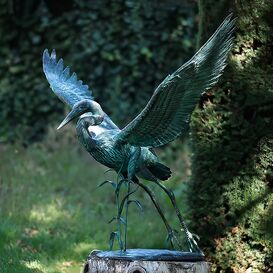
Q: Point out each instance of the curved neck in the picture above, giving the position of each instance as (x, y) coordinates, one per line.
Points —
(84, 137)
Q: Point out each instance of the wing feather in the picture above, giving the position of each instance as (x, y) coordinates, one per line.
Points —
(167, 114)
(68, 88)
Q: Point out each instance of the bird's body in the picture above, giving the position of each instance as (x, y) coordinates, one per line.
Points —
(165, 117)
(99, 142)
(102, 143)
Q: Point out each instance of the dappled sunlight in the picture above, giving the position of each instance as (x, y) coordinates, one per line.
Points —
(48, 213)
(84, 247)
(36, 265)
(64, 266)
(245, 57)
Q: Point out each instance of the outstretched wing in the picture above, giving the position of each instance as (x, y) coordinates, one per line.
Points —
(67, 87)
(167, 114)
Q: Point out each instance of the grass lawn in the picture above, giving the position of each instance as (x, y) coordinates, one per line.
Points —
(52, 214)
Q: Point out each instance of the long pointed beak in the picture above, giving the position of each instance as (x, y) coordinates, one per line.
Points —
(82, 107)
(73, 114)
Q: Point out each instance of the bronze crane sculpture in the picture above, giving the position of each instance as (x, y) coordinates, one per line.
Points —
(129, 151)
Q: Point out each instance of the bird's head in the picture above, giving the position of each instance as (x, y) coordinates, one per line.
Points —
(87, 109)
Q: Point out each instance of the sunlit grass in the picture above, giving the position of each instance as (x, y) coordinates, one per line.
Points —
(52, 214)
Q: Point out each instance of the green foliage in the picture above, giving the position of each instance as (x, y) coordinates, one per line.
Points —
(231, 194)
(122, 49)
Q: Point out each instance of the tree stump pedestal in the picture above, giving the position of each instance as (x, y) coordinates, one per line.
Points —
(145, 261)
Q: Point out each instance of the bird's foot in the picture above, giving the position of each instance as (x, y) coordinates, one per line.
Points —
(192, 244)
(173, 240)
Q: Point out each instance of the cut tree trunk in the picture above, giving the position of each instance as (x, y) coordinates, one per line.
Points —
(98, 263)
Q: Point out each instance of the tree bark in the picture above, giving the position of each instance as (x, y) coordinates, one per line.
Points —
(109, 265)
(231, 194)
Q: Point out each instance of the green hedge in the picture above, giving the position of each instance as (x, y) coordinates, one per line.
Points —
(231, 193)
(122, 49)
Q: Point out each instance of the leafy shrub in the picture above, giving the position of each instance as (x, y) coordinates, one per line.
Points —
(122, 49)
(231, 193)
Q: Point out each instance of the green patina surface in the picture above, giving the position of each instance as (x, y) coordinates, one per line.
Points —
(231, 194)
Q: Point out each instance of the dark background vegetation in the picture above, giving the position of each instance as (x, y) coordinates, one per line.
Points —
(122, 49)
(51, 214)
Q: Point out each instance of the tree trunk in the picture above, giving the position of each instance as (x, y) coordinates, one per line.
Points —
(111, 264)
(231, 194)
